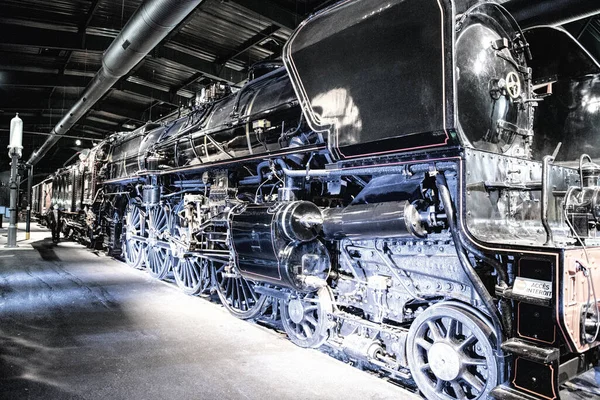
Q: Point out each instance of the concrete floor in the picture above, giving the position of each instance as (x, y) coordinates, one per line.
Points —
(76, 325)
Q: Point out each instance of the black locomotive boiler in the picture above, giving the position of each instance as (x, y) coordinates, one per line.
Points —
(396, 192)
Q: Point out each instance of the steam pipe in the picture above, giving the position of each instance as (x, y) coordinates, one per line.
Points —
(487, 299)
(550, 12)
(545, 194)
(153, 20)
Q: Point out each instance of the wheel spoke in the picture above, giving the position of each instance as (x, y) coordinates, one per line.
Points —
(466, 342)
(474, 361)
(451, 331)
(473, 381)
(311, 320)
(435, 330)
(245, 289)
(439, 386)
(307, 331)
(239, 296)
(458, 390)
(423, 343)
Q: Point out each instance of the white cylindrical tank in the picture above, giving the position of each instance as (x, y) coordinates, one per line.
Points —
(16, 133)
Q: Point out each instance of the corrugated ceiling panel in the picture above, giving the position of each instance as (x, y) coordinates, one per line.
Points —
(112, 15)
(68, 12)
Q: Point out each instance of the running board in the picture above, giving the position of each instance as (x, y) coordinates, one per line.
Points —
(531, 351)
(504, 392)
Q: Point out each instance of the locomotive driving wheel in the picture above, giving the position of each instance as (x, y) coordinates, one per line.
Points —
(304, 317)
(192, 274)
(159, 257)
(135, 241)
(236, 293)
(451, 354)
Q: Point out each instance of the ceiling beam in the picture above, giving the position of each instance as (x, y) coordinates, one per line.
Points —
(52, 39)
(193, 79)
(25, 133)
(81, 31)
(90, 15)
(150, 93)
(34, 79)
(278, 15)
(248, 44)
(56, 106)
(87, 129)
(10, 78)
(208, 68)
(51, 121)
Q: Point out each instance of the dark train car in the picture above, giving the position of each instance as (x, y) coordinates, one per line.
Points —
(41, 199)
(395, 191)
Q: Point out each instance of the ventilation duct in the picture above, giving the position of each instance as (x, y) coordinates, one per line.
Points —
(153, 20)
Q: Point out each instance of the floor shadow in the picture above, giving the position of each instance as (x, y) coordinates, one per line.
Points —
(46, 249)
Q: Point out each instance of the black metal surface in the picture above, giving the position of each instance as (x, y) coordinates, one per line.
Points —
(550, 12)
(269, 248)
(537, 378)
(350, 76)
(571, 116)
(254, 243)
(491, 115)
(219, 132)
(557, 55)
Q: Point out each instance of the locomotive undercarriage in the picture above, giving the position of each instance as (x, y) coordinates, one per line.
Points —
(393, 296)
(384, 304)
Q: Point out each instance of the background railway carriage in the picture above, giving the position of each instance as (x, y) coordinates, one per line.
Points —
(42, 199)
(397, 193)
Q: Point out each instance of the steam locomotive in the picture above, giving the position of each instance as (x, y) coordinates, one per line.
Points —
(397, 192)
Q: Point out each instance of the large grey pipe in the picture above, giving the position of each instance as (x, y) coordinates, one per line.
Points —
(550, 12)
(153, 20)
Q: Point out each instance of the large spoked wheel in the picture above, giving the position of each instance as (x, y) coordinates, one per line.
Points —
(305, 319)
(192, 274)
(135, 241)
(159, 257)
(236, 293)
(451, 354)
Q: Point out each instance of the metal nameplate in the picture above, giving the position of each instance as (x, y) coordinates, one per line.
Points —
(533, 287)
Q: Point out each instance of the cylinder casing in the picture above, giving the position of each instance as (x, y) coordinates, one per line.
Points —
(379, 220)
(271, 245)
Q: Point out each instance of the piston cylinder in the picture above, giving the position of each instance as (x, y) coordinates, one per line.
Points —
(380, 220)
(277, 244)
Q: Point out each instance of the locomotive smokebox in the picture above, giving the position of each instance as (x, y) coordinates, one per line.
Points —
(277, 244)
(380, 220)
